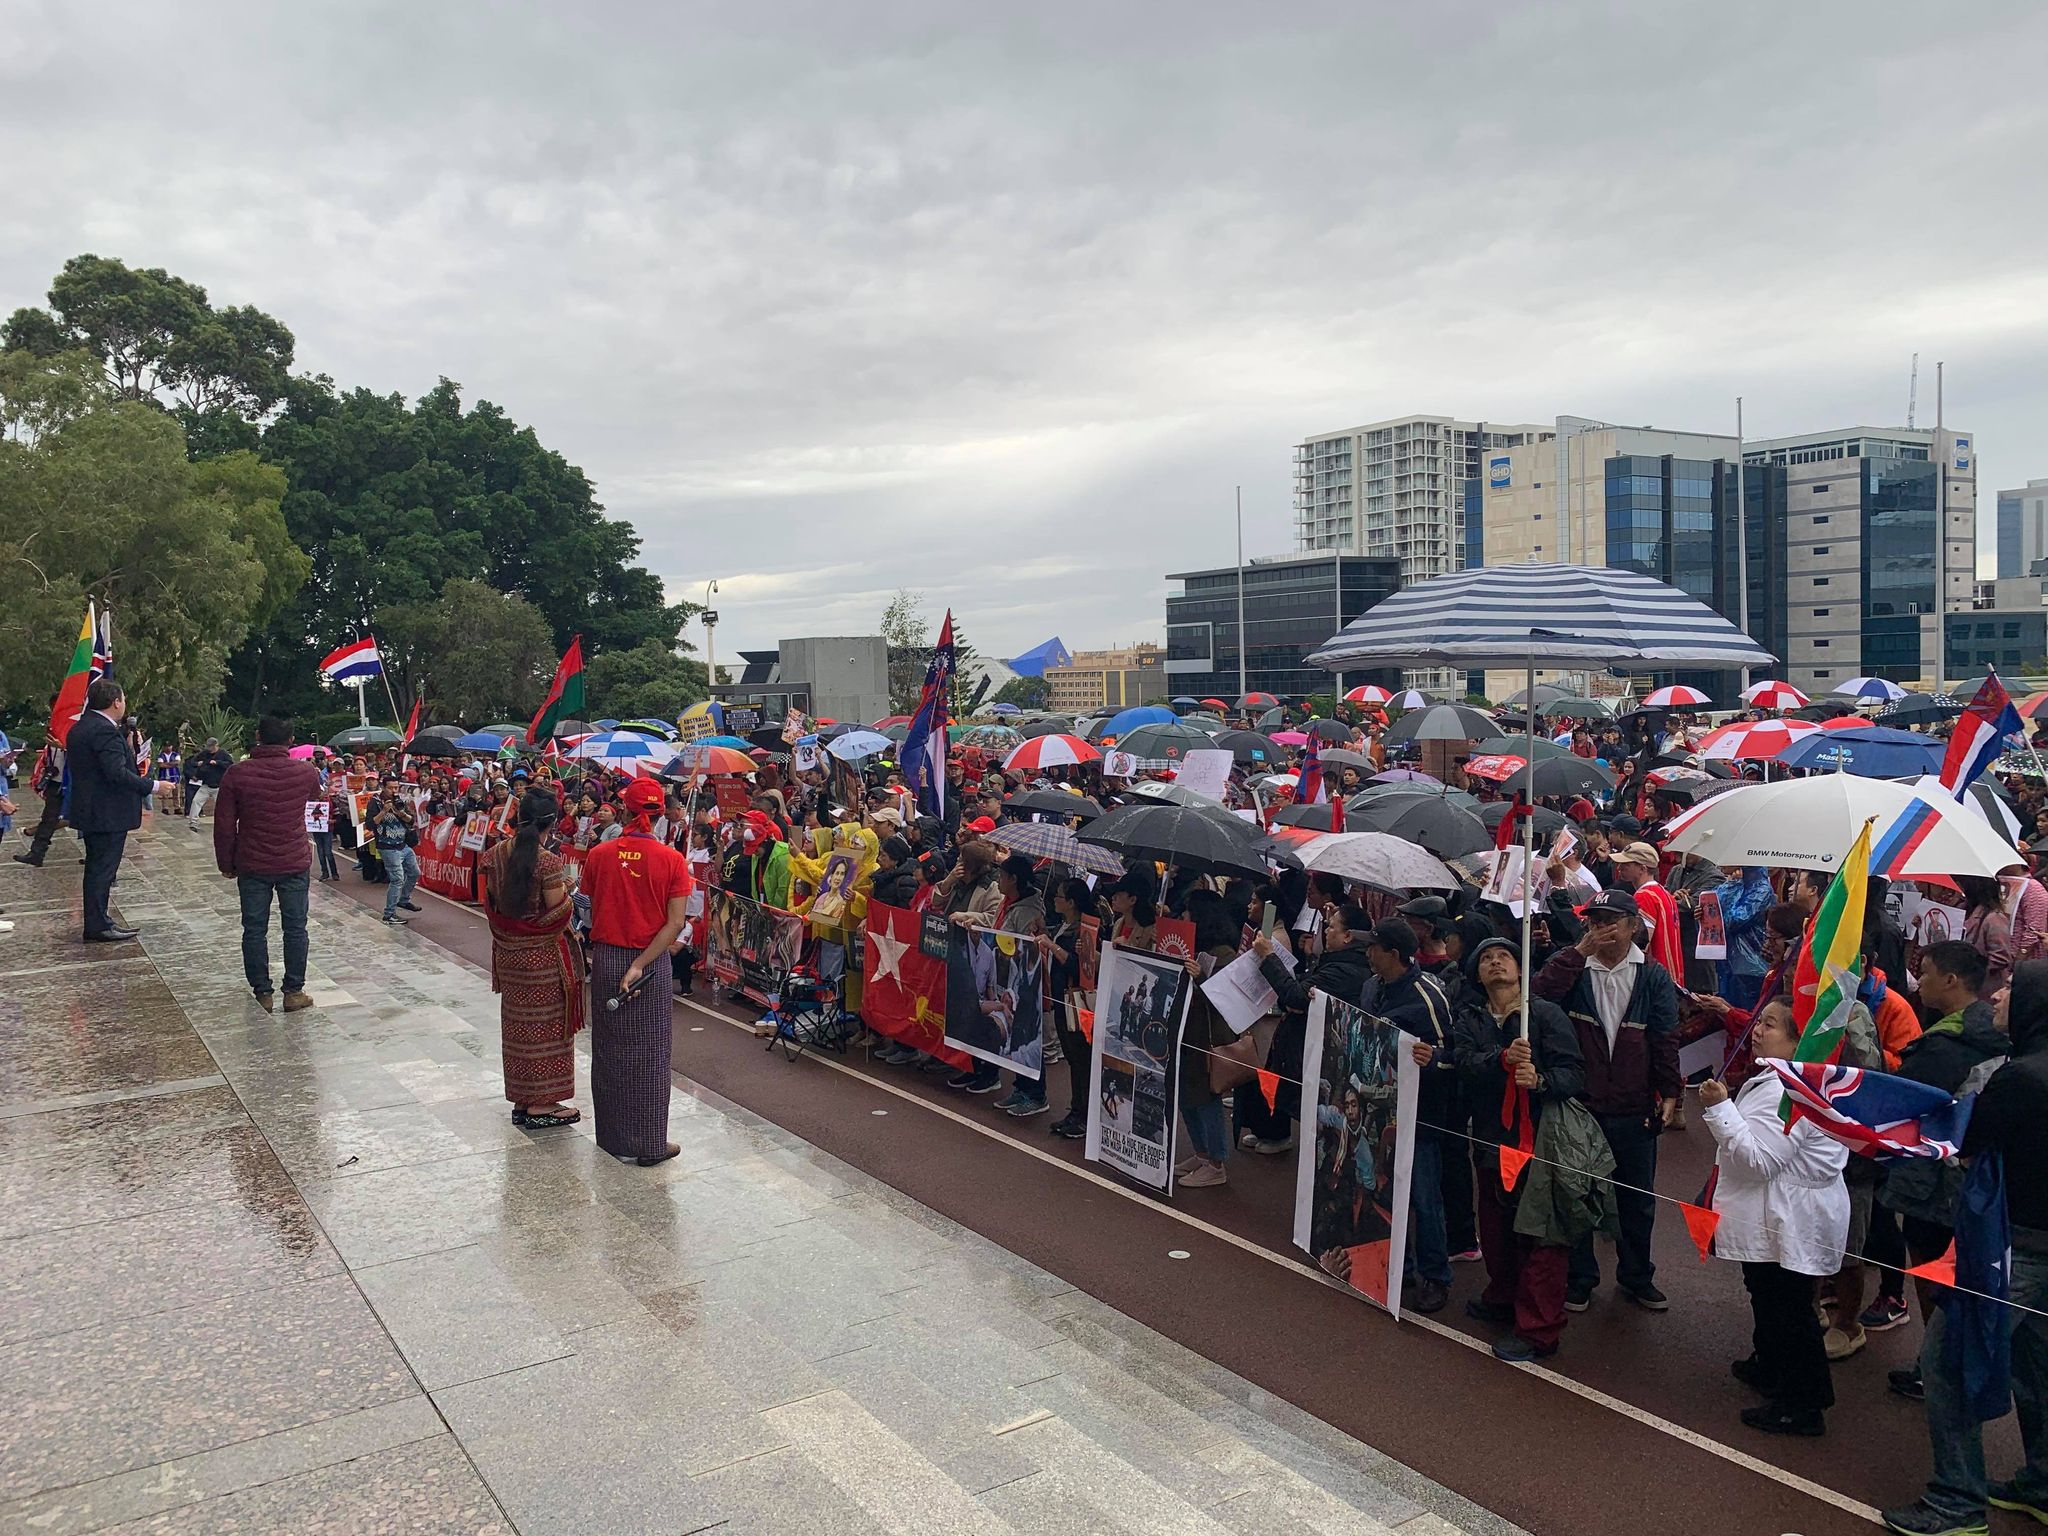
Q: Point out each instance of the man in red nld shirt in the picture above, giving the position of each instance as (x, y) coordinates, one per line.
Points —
(1635, 869)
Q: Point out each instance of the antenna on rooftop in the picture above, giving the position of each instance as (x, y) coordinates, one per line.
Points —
(1913, 392)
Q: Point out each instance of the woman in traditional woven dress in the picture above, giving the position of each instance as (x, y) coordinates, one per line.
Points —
(536, 969)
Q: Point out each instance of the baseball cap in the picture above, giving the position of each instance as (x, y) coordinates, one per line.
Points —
(1636, 853)
(1613, 902)
(1395, 936)
(982, 824)
(1627, 826)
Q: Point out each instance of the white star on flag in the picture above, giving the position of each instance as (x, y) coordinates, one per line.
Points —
(889, 952)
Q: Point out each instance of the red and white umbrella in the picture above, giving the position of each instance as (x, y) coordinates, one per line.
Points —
(1754, 738)
(1041, 752)
(1371, 693)
(1676, 697)
(1772, 694)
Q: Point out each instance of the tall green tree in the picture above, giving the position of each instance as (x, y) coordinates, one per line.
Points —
(908, 634)
(478, 653)
(649, 681)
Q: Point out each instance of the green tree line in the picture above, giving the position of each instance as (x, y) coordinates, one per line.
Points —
(159, 456)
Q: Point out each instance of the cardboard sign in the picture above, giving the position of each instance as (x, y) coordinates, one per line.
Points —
(734, 798)
(1711, 940)
(1174, 936)
(319, 816)
(695, 728)
(476, 828)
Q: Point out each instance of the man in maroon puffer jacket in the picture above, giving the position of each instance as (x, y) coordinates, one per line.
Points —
(260, 842)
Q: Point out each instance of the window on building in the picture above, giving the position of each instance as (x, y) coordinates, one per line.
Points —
(2008, 631)
(1820, 613)
(1821, 549)
(2011, 658)
(1820, 518)
(1819, 488)
(1820, 581)
(1820, 645)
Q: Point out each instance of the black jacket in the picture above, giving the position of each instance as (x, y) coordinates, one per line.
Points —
(1340, 972)
(1477, 1040)
(1946, 1056)
(896, 887)
(1415, 1001)
(2011, 1116)
(1642, 1065)
(208, 768)
(107, 794)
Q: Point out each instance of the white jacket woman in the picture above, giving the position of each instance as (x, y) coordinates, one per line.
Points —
(1780, 1197)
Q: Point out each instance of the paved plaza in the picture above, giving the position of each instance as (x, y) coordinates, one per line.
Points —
(301, 1273)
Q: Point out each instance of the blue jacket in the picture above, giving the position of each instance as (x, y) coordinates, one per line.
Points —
(1745, 900)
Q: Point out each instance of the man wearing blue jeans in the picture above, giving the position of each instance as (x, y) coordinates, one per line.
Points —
(1410, 997)
(2011, 1119)
(391, 826)
(259, 841)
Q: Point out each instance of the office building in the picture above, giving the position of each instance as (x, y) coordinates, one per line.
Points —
(1396, 488)
(2010, 641)
(2022, 530)
(1291, 608)
(836, 677)
(1117, 678)
(1858, 545)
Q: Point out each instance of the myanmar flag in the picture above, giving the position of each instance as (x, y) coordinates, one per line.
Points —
(71, 697)
(1824, 982)
(565, 696)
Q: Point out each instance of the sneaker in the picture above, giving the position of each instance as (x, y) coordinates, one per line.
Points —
(1885, 1314)
(896, 1056)
(1481, 1311)
(1273, 1148)
(987, 1084)
(1905, 1380)
(963, 1079)
(1425, 1296)
(1517, 1350)
(1188, 1165)
(2007, 1495)
(1841, 1345)
(1922, 1519)
(1773, 1420)
(1577, 1299)
(1467, 1256)
(1069, 1129)
(1009, 1100)
(1648, 1297)
(1246, 1140)
(1206, 1175)
(1024, 1109)
(394, 919)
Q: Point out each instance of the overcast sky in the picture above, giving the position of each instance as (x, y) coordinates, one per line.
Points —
(835, 298)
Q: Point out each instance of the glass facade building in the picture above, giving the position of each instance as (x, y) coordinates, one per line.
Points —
(1898, 506)
(1291, 608)
(1671, 518)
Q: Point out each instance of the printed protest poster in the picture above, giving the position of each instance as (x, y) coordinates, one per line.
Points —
(1711, 940)
(1119, 765)
(734, 800)
(476, 830)
(995, 999)
(835, 888)
(1140, 1004)
(792, 726)
(318, 814)
(1175, 937)
(1504, 878)
(803, 757)
(934, 935)
(1088, 952)
(695, 728)
(1351, 1181)
(753, 948)
(903, 988)
(742, 719)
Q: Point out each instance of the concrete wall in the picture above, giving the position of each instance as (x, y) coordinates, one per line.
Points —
(848, 674)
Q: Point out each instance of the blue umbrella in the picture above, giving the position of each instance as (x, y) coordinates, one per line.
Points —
(727, 741)
(623, 749)
(1121, 725)
(1870, 751)
(481, 741)
(1005, 709)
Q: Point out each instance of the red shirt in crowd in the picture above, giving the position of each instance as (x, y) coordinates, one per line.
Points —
(630, 882)
(1662, 911)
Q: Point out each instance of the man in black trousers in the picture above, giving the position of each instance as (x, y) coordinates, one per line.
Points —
(107, 797)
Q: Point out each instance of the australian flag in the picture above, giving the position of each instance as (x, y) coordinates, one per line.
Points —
(1979, 736)
(1873, 1114)
(924, 743)
(102, 646)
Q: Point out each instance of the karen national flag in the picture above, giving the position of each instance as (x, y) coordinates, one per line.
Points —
(355, 662)
(924, 743)
(1979, 736)
(1873, 1114)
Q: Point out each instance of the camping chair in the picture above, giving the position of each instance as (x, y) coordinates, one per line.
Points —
(812, 1012)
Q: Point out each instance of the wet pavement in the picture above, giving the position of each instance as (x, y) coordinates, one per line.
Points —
(301, 1273)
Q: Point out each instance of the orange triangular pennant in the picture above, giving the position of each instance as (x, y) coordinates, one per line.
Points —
(1085, 1017)
(1701, 1223)
(1269, 1085)
(1512, 1161)
(1941, 1271)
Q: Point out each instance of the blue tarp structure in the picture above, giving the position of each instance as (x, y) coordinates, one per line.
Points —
(1053, 653)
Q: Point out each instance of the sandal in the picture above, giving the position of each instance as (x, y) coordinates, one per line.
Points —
(532, 1122)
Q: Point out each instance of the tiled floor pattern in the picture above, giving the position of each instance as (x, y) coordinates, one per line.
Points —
(301, 1274)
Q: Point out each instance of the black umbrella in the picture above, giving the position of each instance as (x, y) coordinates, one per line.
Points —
(1044, 725)
(1275, 720)
(834, 732)
(570, 728)
(1165, 743)
(1250, 747)
(1548, 822)
(1559, 776)
(1053, 802)
(1428, 821)
(1207, 840)
(424, 745)
(1920, 709)
(446, 732)
(1315, 817)
(1328, 730)
(768, 738)
(1443, 722)
(357, 737)
(1463, 799)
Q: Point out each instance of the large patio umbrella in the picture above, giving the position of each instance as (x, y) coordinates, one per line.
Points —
(1540, 615)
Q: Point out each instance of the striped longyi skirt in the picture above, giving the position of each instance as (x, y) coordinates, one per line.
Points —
(629, 1054)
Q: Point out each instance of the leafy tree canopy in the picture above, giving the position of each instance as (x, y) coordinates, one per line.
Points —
(1024, 692)
(479, 654)
(650, 681)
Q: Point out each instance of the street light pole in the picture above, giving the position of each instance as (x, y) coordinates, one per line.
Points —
(1943, 456)
(1242, 686)
(710, 640)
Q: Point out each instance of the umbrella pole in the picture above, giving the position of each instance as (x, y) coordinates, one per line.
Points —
(1528, 831)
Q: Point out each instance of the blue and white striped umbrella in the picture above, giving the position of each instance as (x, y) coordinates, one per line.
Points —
(1879, 689)
(1548, 615)
(628, 750)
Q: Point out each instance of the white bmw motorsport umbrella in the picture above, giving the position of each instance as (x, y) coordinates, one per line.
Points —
(1810, 823)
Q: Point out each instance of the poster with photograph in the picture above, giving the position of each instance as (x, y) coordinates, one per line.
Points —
(318, 816)
(1351, 1180)
(1711, 942)
(753, 948)
(476, 830)
(835, 888)
(1140, 1005)
(995, 999)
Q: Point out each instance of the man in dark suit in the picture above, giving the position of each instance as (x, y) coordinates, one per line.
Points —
(107, 797)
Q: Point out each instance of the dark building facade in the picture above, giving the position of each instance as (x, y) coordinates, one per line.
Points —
(1291, 607)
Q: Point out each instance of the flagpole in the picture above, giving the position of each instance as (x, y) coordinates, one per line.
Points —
(362, 706)
(392, 698)
(1242, 686)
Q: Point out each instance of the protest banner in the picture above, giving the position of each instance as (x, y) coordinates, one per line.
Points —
(1711, 938)
(1351, 1180)
(1206, 771)
(733, 797)
(476, 830)
(995, 999)
(447, 863)
(1140, 1006)
(903, 986)
(753, 947)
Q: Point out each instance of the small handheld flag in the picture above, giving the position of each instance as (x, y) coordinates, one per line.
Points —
(1873, 1114)
(1832, 958)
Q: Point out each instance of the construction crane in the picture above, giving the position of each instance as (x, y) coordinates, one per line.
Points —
(1913, 392)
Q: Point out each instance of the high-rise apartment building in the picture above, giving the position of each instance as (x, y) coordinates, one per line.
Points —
(2022, 529)
(1864, 571)
(1396, 488)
